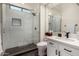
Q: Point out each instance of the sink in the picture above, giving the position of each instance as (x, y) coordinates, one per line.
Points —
(70, 39)
(67, 39)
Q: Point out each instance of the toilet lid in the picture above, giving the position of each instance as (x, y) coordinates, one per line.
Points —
(42, 44)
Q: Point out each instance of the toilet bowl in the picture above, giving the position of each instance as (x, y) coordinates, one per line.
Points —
(42, 46)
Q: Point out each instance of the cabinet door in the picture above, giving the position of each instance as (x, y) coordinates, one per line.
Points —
(62, 51)
(65, 54)
(51, 49)
(68, 50)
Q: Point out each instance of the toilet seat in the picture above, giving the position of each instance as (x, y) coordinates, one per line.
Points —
(42, 44)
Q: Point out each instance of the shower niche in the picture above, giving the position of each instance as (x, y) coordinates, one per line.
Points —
(16, 22)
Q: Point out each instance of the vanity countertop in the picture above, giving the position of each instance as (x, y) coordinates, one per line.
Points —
(74, 44)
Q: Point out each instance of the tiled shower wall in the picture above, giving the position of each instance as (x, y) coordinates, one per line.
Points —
(17, 35)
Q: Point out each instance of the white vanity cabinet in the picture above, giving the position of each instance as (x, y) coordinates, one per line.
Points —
(52, 48)
(67, 50)
(60, 49)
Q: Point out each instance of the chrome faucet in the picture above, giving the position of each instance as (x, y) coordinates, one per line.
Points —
(67, 34)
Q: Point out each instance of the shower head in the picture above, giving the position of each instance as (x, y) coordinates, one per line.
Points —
(34, 14)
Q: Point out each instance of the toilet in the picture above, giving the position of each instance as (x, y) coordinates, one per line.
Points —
(42, 46)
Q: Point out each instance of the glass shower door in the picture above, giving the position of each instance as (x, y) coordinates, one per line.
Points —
(17, 32)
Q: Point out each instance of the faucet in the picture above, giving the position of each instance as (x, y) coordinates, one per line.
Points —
(67, 34)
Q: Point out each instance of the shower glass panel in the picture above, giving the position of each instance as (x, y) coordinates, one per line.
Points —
(14, 36)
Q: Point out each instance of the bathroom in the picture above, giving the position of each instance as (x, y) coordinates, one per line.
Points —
(39, 29)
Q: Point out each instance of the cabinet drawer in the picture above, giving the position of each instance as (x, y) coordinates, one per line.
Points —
(54, 44)
(69, 50)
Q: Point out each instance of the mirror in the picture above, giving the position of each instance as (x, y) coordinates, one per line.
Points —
(64, 17)
(55, 23)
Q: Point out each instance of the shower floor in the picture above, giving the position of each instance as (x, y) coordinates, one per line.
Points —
(27, 50)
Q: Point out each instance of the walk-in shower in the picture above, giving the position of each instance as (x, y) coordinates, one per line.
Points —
(20, 26)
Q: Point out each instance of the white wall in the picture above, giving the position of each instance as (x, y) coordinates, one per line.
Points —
(70, 16)
(56, 11)
(42, 22)
(44, 12)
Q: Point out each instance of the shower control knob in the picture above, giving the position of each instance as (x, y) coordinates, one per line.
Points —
(35, 28)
